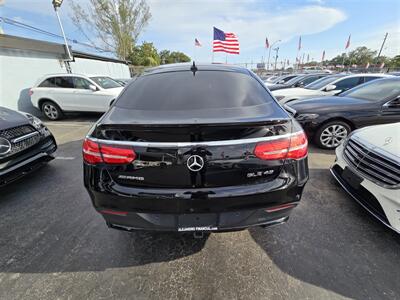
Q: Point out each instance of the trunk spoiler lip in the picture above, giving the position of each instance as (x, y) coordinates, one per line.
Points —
(193, 144)
(270, 121)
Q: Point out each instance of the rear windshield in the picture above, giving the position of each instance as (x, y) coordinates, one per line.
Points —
(185, 91)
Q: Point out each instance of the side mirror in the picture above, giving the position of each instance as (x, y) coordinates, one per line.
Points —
(330, 87)
(281, 81)
(93, 87)
(300, 84)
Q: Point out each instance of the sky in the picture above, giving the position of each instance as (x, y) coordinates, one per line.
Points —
(322, 25)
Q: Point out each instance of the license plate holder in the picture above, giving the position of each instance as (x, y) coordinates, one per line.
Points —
(197, 222)
(351, 178)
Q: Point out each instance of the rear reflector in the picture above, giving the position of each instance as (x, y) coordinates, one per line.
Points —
(114, 212)
(94, 153)
(280, 207)
(294, 147)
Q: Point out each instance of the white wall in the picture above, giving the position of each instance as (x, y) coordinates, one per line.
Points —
(97, 67)
(19, 70)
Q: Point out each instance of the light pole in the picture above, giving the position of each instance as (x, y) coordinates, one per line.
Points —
(56, 5)
(276, 56)
(269, 52)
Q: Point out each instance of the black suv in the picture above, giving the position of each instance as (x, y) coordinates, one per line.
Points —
(25, 144)
(195, 148)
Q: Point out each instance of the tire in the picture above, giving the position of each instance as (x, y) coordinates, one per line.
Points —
(51, 110)
(332, 134)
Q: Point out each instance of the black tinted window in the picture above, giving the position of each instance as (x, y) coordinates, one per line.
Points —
(64, 82)
(81, 83)
(348, 83)
(49, 82)
(183, 91)
(309, 80)
(369, 78)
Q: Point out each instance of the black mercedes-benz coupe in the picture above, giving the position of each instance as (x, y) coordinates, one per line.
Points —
(25, 144)
(329, 120)
(195, 148)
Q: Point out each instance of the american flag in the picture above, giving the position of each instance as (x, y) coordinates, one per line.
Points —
(266, 43)
(225, 42)
(197, 43)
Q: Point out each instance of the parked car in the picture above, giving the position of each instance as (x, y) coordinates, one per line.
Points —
(59, 93)
(298, 81)
(328, 86)
(195, 148)
(25, 145)
(281, 79)
(329, 120)
(367, 166)
(122, 81)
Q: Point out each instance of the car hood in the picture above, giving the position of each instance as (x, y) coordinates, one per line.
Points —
(114, 91)
(298, 92)
(385, 137)
(325, 104)
(11, 118)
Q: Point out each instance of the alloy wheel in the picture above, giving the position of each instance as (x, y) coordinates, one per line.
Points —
(333, 135)
(50, 111)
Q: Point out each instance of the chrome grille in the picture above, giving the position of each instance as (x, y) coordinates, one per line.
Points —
(18, 133)
(371, 164)
(15, 132)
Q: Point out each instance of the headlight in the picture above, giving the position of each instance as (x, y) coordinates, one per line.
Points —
(35, 122)
(279, 98)
(303, 117)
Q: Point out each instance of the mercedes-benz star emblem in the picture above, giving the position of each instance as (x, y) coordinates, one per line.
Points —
(195, 163)
(388, 140)
(5, 146)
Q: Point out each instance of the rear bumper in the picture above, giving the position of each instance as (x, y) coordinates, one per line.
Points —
(27, 161)
(203, 209)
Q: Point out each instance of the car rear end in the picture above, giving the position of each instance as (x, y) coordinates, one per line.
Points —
(198, 159)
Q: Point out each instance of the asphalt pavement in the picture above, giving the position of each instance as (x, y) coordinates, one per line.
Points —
(53, 245)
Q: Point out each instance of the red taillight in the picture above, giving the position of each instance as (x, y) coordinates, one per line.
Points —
(294, 147)
(91, 152)
(30, 92)
(94, 153)
(280, 207)
(114, 212)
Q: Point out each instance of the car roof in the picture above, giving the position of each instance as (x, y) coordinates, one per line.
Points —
(368, 75)
(200, 67)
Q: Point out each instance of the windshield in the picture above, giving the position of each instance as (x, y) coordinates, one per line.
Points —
(375, 90)
(106, 82)
(320, 83)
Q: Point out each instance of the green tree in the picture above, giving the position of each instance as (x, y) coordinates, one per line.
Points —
(116, 23)
(144, 55)
(395, 62)
(361, 56)
(168, 57)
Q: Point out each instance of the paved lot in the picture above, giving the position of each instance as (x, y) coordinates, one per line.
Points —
(53, 245)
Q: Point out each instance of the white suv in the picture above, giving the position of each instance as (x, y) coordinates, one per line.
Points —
(58, 93)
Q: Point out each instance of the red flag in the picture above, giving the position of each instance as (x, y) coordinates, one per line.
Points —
(299, 43)
(266, 43)
(382, 65)
(348, 42)
(323, 56)
(197, 43)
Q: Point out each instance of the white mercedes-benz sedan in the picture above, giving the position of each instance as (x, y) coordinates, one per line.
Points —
(367, 166)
